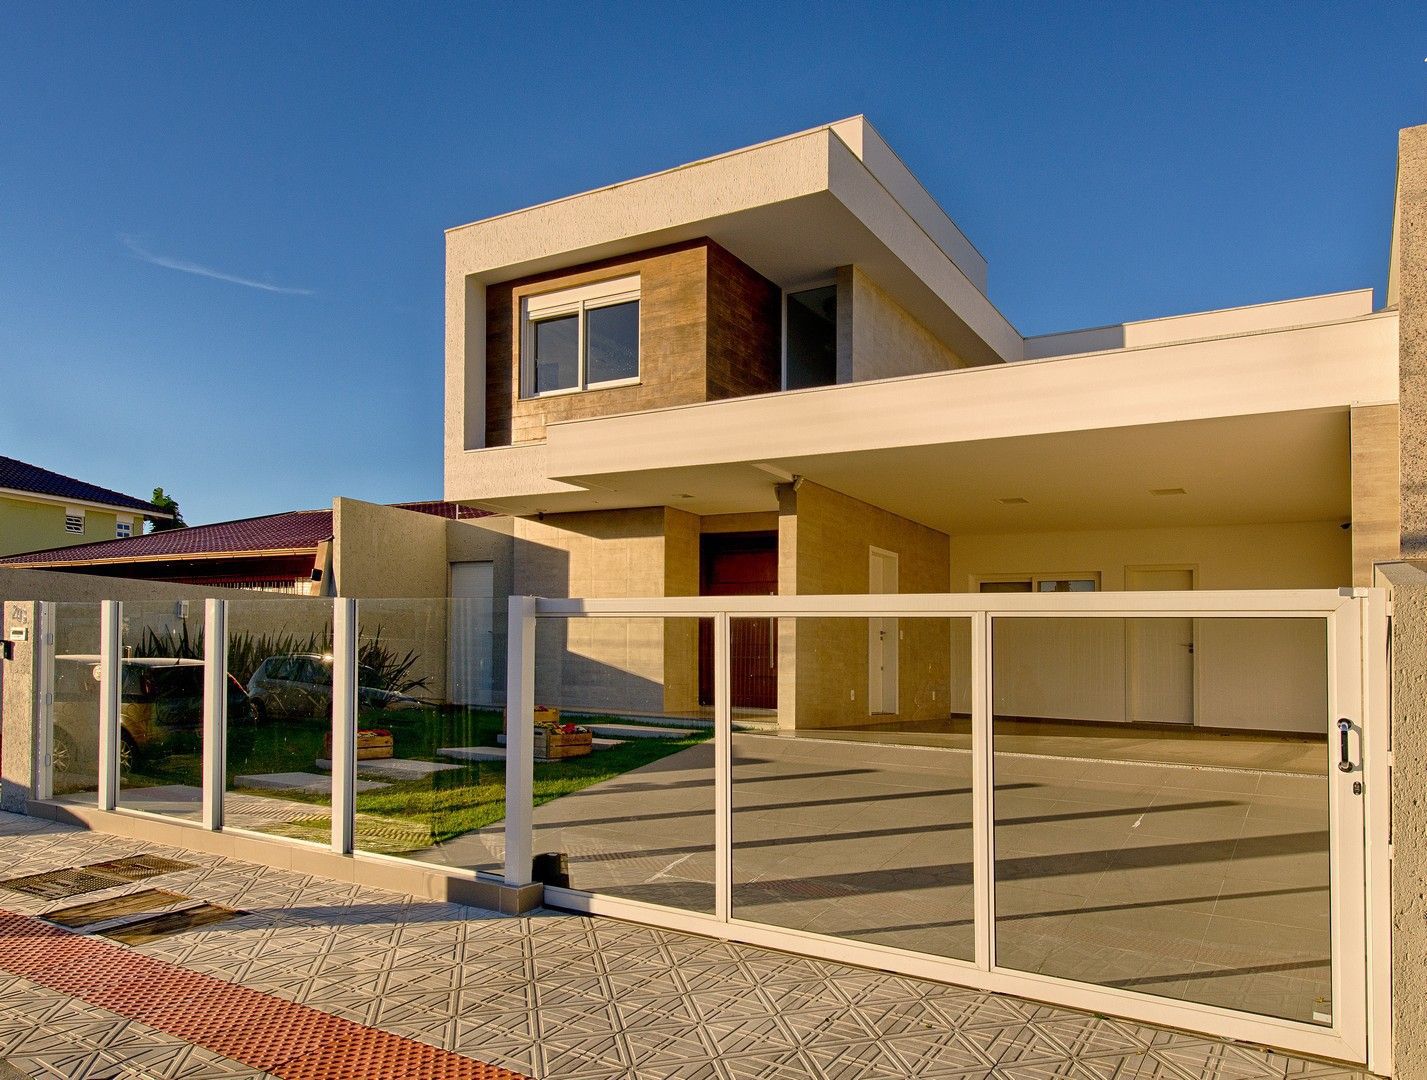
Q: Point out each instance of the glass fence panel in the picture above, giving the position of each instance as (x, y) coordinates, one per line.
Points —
(1161, 808)
(624, 781)
(430, 767)
(75, 713)
(852, 800)
(161, 708)
(278, 776)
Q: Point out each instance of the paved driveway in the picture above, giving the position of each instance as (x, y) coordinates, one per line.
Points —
(1195, 883)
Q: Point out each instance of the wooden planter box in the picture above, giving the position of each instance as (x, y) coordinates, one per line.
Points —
(552, 744)
(544, 714)
(371, 744)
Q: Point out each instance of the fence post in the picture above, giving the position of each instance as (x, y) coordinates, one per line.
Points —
(519, 739)
(344, 722)
(44, 683)
(110, 685)
(983, 805)
(723, 764)
(215, 710)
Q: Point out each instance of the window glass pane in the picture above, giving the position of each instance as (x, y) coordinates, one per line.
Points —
(557, 353)
(612, 342)
(1005, 586)
(1065, 585)
(1162, 814)
(812, 337)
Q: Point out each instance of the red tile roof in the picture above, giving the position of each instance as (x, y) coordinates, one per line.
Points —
(16, 475)
(296, 530)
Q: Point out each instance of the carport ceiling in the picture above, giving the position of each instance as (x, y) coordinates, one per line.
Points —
(1276, 467)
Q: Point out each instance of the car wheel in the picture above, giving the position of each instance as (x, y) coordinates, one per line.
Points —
(128, 753)
(260, 711)
(64, 755)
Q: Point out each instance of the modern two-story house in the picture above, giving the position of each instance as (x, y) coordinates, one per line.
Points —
(778, 371)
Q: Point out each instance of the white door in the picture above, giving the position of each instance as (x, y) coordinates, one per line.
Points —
(882, 636)
(471, 633)
(1159, 655)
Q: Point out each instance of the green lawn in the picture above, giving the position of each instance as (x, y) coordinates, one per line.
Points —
(407, 816)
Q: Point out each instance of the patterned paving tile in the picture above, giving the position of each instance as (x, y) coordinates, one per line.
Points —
(564, 997)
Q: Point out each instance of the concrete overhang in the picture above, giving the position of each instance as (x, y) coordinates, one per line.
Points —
(794, 209)
(1253, 427)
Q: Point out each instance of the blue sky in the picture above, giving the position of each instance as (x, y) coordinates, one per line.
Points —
(221, 225)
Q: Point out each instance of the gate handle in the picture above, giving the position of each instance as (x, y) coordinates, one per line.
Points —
(1344, 765)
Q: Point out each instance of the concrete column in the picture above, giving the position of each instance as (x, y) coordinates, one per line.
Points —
(1409, 817)
(19, 686)
(1407, 288)
(1376, 524)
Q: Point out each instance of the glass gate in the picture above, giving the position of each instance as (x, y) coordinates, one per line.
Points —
(1035, 817)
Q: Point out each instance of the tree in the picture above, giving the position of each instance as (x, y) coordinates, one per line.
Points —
(169, 505)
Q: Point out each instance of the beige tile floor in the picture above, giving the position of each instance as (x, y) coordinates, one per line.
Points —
(567, 997)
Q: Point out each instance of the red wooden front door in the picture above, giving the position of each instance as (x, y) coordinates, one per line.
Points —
(741, 564)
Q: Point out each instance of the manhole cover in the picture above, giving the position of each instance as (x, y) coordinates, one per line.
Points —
(59, 884)
(101, 910)
(172, 922)
(138, 867)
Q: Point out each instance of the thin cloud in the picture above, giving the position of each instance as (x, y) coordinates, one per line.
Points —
(186, 267)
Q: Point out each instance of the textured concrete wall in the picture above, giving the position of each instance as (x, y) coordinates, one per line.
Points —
(17, 710)
(878, 338)
(395, 561)
(384, 551)
(824, 543)
(611, 664)
(1409, 817)
(1410, 280)
(1377, 517)
(91, 588)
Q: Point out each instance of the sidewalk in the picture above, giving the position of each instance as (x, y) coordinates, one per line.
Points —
(313, 978)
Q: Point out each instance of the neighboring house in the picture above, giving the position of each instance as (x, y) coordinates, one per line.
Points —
(778, 370)
(44, 509)
(292, 552)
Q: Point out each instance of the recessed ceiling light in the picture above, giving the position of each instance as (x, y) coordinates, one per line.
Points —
(1168, 491)
(1014, 500)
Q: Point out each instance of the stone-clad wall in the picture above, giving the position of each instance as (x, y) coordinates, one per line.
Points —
(824, 541)
(709, 328)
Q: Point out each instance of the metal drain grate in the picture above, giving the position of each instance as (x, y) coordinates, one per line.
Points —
(96, 911)
(60, 884)
(171, 922)
(139, 867)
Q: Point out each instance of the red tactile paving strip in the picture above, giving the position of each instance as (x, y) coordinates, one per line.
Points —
(291, 1041)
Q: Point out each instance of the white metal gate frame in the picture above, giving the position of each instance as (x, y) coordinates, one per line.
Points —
(1357, 632)
(1356, 628)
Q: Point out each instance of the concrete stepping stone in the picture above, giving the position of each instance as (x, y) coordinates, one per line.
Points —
(638, 731)
(314, 783)
(473, 753)
(497, 753)
(394, 768)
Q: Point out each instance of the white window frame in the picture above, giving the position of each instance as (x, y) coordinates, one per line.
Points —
(74, 513)
(978, 580)
(123, 528)
(575, 301)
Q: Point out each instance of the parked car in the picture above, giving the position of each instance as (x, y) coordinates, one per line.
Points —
(160, 710)
(300, 685)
